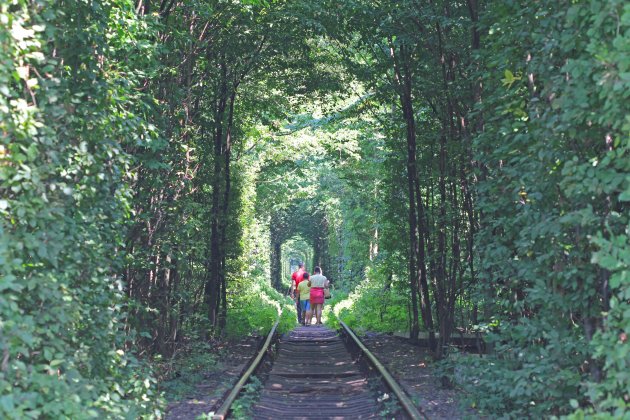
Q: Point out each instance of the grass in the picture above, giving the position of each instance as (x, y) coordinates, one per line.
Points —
(241, 408)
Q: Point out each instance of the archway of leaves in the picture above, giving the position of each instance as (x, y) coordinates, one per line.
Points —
(293, 251)
(300, 220)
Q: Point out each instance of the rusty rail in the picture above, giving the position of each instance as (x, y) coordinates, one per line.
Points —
(223, 411)
(313, 386)
(405, 401)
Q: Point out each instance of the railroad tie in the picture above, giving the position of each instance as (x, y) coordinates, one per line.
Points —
(314, 376)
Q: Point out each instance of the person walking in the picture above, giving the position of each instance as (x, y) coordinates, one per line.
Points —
(318, 283)
(304, 289)
(296, 279)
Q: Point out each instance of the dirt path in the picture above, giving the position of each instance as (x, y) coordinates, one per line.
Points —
(216, 381)
(409, 364)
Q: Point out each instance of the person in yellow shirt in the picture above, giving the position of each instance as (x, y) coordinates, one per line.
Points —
(304, 289)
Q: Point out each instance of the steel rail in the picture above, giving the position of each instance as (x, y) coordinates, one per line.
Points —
(407, 404)
(222, 412)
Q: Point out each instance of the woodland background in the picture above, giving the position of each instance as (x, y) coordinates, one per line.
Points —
(453, 165)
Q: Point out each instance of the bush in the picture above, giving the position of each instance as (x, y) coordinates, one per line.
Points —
(553, 194)
(371, 306)
(256, 309)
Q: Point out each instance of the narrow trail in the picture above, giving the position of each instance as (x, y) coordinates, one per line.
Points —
(315, 376)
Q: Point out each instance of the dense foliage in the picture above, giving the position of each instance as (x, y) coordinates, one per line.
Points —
(554, 227)
(454, 166)
(68, 103)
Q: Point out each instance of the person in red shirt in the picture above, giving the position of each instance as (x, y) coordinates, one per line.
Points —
(296, 278)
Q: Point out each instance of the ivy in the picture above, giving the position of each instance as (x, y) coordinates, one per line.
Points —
(63, 173)
(553, 150)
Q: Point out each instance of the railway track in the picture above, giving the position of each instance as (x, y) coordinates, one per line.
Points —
(316, 374)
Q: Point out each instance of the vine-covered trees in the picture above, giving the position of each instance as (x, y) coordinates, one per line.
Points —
(70, 103)
(210, 88)
(417, 60)
(552, 198)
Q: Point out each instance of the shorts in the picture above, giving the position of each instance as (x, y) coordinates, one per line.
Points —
(317, 295)
(305, 305)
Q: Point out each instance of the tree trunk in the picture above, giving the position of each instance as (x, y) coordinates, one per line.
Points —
(213, 262)
(276, 256)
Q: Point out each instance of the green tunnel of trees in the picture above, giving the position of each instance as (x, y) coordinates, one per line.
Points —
(454, 166)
